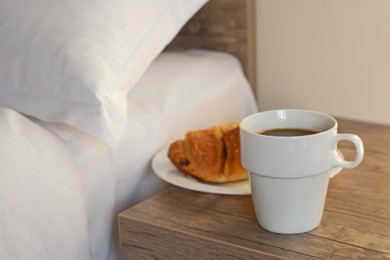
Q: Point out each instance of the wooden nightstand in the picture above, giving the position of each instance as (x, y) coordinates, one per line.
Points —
(183, 224)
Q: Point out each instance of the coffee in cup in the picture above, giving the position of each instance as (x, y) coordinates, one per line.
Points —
(289, 155)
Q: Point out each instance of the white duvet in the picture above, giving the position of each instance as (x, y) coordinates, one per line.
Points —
(61, 189)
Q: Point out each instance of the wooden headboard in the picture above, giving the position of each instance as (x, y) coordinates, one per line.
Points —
(223, 25)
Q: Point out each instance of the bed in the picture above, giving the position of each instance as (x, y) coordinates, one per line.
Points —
(90, 91)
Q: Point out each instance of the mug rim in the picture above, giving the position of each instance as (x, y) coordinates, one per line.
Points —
(244, 127)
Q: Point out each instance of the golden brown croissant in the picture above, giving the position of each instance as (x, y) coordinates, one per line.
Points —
(210, 155)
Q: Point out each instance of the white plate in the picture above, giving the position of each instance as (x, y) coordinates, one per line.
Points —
(164, 169)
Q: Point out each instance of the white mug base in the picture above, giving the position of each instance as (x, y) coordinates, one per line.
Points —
(289, 205)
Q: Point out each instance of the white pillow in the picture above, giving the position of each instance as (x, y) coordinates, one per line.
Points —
(74, 61)
(42, 205)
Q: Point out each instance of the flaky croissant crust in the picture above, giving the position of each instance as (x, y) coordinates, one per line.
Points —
(210, 155)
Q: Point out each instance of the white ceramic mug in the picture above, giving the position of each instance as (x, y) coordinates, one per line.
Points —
(289, 175)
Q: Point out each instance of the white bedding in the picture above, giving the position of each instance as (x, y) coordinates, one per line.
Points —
(74, 216)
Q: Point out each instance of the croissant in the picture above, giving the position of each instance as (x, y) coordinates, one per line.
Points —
(210, 155)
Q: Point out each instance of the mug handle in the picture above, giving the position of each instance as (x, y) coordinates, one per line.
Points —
(337, 161)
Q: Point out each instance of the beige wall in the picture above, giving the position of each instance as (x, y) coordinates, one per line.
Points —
(328, 55)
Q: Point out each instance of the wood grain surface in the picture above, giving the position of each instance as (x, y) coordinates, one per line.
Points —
(183, 224)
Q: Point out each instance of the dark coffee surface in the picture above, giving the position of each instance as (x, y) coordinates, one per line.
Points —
(288, 132)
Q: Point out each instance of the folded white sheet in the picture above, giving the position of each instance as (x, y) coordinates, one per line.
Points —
(43, 214)
(181, 91)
